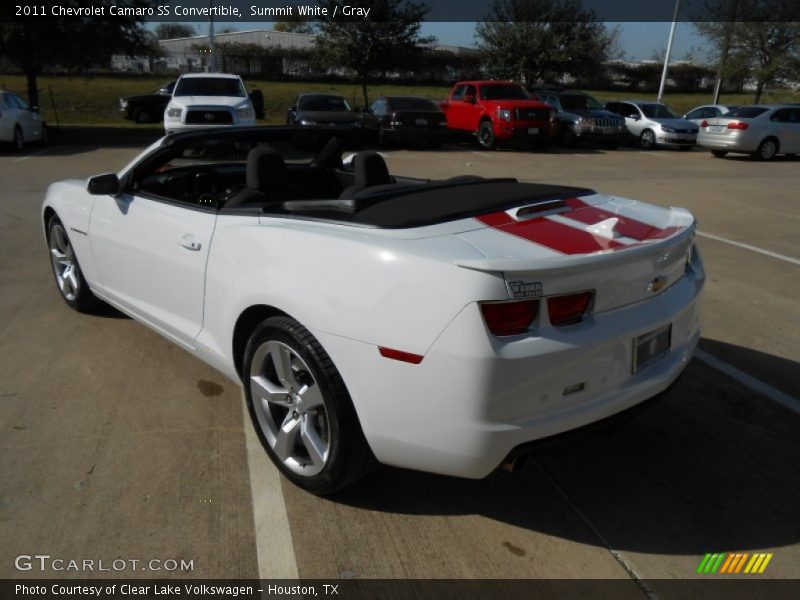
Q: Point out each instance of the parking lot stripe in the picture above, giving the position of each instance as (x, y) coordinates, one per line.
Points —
(27, 156)
(749, 381)
(274, 545)
(795, 261)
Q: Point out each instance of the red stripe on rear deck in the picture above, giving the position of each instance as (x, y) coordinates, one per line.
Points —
(627, 227)
(552, 234)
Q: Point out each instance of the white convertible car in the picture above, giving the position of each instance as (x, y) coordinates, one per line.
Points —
(438, 325)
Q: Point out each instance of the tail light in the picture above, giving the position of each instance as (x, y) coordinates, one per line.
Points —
(509, 318)
(569, 309)
(704, 124)
(738, 125)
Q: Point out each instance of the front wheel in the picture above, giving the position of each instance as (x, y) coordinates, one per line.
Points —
(486, 136)
(44, 135)
(647, 140)
(301, 409)
(719, 153)
(67, 271)
(19, 139)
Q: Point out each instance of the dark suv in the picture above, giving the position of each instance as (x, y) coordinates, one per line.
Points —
(581, 117)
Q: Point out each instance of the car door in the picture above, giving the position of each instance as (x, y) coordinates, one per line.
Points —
(151, 253)
(29, 120)
(8, 117)
(786, 123)
(457, 110)
(633, 118)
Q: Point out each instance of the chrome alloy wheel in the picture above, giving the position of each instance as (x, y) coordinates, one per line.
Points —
(290, 408)
(65, 266)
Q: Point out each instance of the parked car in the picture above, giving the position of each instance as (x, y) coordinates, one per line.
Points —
(762, 131)
(433, 325)
(499, 112)
(653, 124)
(580, 117)
(311, 110)
(19, 123)
(708, 111)
(147, 108)
(406, 119)
(208, 100)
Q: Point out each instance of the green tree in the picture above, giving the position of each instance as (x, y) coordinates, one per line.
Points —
(170, 31)
(389, 39)
(72, 43)
(760, 38)
(295, 24)
(543, 40)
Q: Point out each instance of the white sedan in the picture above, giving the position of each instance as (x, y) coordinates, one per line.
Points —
(20, 124)
(202, 100)
(434, 325)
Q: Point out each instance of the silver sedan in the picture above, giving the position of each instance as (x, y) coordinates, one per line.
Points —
(653, 124)
(763, 131)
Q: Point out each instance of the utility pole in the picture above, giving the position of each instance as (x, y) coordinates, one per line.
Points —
(669, 50)
(212, 61)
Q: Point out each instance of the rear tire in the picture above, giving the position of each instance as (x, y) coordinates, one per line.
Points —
(19, 139)
(767, 149)
(719, 153)
(301, 409)
(67, 271)
(486, 136)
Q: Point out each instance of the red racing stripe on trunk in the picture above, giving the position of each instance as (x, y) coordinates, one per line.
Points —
(552, 234)
(627, 227)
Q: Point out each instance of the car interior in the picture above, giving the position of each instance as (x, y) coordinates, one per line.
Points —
(273, 178)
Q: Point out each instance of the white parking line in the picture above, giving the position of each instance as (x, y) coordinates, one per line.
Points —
(749, 381)
(274, 545)
(480, 153)
(789, 259)
(27, 156)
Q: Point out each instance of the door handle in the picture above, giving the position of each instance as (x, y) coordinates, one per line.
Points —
(188, 242)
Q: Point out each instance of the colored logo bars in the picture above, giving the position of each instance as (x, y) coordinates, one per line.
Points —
(734, 563)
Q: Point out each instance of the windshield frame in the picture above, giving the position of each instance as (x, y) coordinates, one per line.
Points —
(590, 102)
(650, 114)
(301, 105)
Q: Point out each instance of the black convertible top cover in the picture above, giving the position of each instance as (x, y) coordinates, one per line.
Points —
(439, 202)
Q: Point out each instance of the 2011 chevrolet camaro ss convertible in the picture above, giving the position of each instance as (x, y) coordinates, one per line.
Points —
(436, 325)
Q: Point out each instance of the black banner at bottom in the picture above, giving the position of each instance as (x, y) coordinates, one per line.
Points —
(402, 589)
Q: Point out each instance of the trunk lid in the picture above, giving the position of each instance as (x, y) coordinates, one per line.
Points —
(626, 251)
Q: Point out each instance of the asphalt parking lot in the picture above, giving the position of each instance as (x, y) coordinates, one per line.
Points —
(117, 444)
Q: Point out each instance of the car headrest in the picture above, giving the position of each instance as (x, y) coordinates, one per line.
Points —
(330, 157)
(265, 169)
(370, 169)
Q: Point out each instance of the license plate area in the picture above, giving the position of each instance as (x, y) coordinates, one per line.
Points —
(650, 347)
(533, 130)
(421, 122)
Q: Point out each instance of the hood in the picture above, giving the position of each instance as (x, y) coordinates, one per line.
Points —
(192, 101)
(516, 103)
(676, 123)
(328, 116)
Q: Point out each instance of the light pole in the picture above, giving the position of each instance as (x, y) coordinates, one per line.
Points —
(212, 61)
(669, 50)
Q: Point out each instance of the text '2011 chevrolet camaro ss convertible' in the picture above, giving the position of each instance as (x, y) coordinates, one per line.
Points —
(436, 325)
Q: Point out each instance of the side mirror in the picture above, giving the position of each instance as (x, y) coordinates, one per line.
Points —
(635, 117)
(34, 109)
(104, 185)
(163, 92)
(367, 111)
(292, 109)
(469, 98)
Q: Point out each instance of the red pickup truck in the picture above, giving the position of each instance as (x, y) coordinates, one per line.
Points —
(499, 111)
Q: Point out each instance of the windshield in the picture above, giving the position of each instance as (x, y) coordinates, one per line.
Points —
(746, 112)
(504, 92)
(657, 111)
(324, 104)
(210, 86)
(413, 104)
(579, 102)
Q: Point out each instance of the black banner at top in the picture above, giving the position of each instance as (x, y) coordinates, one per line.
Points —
(438, 10)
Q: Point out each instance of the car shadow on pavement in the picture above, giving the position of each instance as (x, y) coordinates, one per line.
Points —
(69, 140)
(712, 466)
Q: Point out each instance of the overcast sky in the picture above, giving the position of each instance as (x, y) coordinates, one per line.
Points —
(637, 40)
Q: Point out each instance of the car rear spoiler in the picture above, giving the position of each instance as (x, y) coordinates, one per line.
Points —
(570, 264)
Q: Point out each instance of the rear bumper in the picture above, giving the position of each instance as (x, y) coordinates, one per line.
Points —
(730, 142)
(473, 399)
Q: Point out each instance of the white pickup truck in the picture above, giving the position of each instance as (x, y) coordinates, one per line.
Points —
(208, 100)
